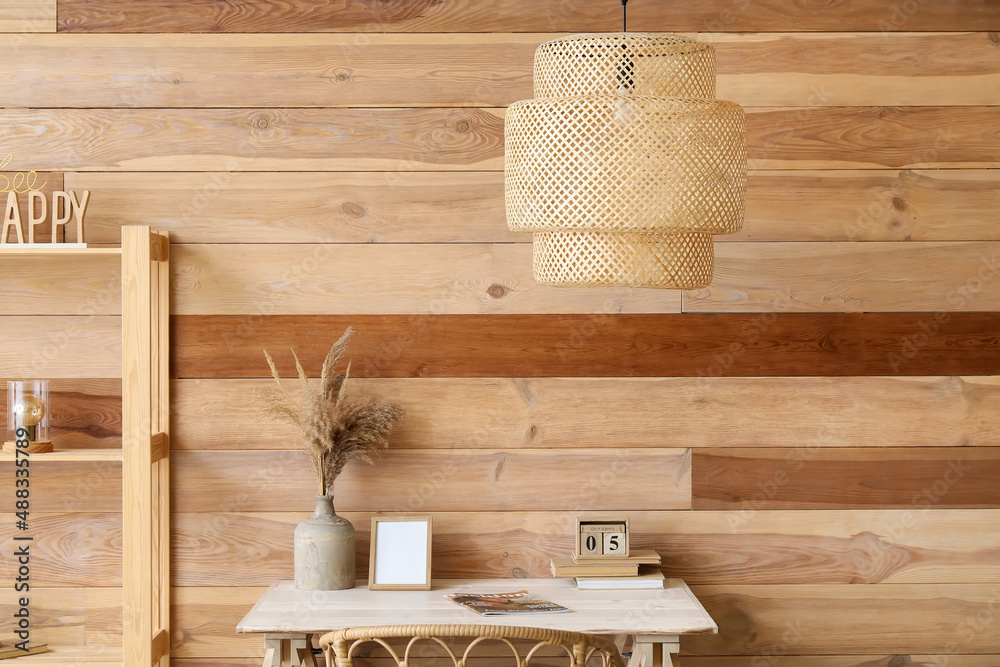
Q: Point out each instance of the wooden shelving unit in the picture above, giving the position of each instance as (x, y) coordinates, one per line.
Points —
(145, 452)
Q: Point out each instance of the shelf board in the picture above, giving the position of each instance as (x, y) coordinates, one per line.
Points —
(55, 251)
(76, 455)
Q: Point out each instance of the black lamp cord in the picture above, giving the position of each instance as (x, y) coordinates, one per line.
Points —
(624, 16)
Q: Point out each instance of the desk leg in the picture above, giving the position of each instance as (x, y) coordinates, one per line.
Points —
(655, 651)
(288, 650)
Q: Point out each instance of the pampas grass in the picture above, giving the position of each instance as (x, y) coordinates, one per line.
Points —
(335, 431)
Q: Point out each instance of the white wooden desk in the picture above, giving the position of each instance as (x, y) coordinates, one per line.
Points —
(654, 619)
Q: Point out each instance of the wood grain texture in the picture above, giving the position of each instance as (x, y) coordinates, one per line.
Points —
(851, 277)
(466, 139)
(440, 480)
(497, 413)
(85, 414)
(516, 16)
(697, 345)
(69, 549)
(203, 622)
(872, 205)
(313, 207)
(61, 347)
(259, 139)
(880, 660)
(27, 16)
(251, 279)
(470, 70)
(916, 479)
(447, 207)
(784, 547)
(70, 616)
(73, 487)
(88, 285)
(891, 618)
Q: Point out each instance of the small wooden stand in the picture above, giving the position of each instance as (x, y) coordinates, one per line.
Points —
(34, 447)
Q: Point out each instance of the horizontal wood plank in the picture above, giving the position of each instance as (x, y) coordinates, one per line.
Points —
(470, 70)
(748, 480)
(441, 480)
(27, 16)
(61, 347)
(87, 285)
(880, 660)
(468, 207)
(466, 139)
(817, 547)
(203, 622)
(498, 413)
(85, 414)
(70, 616)
(851, 277)
(517, 16)
(793, 344)
(375, 279)
(69, 486)
(813, 619)
(68, 549)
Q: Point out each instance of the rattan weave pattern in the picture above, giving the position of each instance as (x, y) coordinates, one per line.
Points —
(625, 63)
(625, 164)
(583, 259)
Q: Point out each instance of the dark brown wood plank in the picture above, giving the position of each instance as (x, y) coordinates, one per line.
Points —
(465, 139)
(834, 619)
(749, 480)
(518, 16)
(84, 413)
(598, 345)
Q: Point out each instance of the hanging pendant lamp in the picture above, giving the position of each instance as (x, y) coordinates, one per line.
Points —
(624, 165)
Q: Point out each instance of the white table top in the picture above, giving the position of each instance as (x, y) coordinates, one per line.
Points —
(673, 610)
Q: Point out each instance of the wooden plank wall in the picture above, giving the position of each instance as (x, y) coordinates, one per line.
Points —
(812, 442)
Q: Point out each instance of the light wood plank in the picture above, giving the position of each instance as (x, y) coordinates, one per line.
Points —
(852, 277)
(91, 656)
(778, 547)
(80, 285)
(495, 413)
(746, 481)
(71, 616)
(70, 486)
(69, 549)
(373, 279)
(71, 455)
(61, 347)
(893, 618)
(27, 16)
(517, 16)
(466, 139)
(473, 70)
(205, 622)
(445, 207)
(688, 345)
(444, 480)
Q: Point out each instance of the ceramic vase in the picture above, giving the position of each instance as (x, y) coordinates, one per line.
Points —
(324, 550)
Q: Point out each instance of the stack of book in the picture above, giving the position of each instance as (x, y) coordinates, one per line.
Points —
(637, 571)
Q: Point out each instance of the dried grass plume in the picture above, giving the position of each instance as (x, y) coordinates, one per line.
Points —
(334, 430)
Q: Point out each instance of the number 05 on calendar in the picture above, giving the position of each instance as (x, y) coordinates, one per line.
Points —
(601, 538)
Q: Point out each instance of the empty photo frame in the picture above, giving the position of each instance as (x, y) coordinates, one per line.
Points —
(400, 554)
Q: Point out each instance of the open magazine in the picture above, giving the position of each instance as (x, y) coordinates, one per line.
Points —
(505, 604)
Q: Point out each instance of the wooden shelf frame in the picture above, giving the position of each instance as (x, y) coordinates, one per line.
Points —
(146, 446)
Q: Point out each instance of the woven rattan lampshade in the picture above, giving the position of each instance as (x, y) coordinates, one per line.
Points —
(624, 164)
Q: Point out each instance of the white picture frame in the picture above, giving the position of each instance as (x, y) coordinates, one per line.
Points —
(400, 554)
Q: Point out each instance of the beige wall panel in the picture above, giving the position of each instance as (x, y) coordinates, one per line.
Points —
(26, 16)
(69, 616)
(375, 279)
(68, 549)
(284, 207)
(61, 347)
(204, 622)
(496, 413)
(58, 486)
(489, 70)
(441, 480)
(88, 285)
(810, 620)
(831, 547)
(844, 277)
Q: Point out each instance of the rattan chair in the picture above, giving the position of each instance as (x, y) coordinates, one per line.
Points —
(341, 646)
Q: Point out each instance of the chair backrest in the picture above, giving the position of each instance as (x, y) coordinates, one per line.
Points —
(340, 646)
